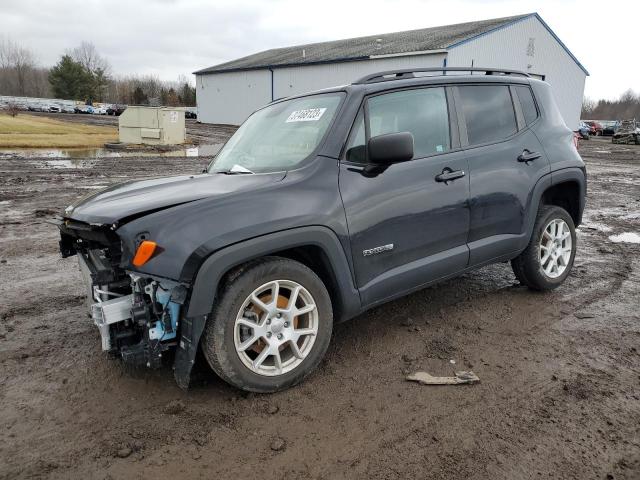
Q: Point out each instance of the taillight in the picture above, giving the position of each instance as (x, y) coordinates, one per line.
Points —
(144, 253)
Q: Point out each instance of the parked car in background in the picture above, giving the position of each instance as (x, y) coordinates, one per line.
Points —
(596, 128)
(101, 110)
(54, 109)
(341, 200)
(84, 109)
(584, 131)
(116, 109)
(68, 109)
(190, 112)
(609, 128)
(627, 133)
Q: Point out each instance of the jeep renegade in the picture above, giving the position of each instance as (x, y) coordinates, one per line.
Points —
(322, 206)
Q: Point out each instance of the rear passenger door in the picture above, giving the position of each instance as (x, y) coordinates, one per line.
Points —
(506, 160)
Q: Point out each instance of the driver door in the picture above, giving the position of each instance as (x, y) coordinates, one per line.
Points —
(407, 226)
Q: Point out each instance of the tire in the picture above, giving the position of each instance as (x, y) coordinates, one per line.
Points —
(226, 332)
(528, 266)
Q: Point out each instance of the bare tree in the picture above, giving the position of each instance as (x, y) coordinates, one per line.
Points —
(17, 65)
(626, 107)
(96, 66)
(588, 105)
(87, 55)
(12, 109)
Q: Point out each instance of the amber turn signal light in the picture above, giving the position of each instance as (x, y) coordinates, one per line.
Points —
(144, 253)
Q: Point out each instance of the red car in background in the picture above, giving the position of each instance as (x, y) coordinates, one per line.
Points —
(596, 128)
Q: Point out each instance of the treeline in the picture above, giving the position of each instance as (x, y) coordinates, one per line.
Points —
(20, 74)
(82, 74)
(625, 108)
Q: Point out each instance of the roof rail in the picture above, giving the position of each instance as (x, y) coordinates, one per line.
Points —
(409, 73)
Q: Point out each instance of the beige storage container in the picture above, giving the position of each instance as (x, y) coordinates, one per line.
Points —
(152, 126)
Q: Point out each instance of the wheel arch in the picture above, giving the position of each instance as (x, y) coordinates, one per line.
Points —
(558, 187)
(565, 195)
(316, 247)
(568, 191)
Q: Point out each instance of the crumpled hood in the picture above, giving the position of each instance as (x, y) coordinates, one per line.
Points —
(132, 199)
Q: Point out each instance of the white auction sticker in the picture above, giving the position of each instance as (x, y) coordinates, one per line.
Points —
(308, 115)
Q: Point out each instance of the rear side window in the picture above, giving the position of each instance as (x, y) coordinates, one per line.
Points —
(488, 112)
(527, 103)
(423, 112)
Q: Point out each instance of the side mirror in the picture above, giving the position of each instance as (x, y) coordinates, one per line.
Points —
(390, 148)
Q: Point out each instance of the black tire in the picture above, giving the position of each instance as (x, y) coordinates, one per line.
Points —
(527, 266)
(218, 339)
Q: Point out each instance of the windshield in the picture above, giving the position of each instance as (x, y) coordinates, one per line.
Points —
(278, 137)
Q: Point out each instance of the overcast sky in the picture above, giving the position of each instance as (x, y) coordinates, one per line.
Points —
(173, 37)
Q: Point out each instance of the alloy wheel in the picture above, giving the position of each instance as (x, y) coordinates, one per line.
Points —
(276, 327)
(555, 248)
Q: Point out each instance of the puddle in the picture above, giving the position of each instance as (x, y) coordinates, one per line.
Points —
(602, 151)
(626, 237)
(97, 153)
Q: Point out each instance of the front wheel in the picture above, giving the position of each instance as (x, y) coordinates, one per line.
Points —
(270, 326)
(547, 260)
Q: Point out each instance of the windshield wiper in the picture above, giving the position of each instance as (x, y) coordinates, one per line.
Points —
(236, 170)
(231, 172)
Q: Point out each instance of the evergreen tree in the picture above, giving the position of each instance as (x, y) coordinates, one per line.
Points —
(139, 97)
(70, 80)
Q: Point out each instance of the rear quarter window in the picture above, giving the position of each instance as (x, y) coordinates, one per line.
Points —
(527, 103)
(488, 112)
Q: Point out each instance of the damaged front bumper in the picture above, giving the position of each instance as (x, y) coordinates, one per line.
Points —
(138, 317)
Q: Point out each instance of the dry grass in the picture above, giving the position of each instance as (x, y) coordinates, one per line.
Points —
(27, 131)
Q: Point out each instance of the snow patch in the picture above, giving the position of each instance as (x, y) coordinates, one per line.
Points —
(626, 237)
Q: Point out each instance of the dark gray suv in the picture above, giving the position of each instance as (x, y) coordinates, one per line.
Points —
(322, 206)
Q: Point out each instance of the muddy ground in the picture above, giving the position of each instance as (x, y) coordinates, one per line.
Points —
(560, 372)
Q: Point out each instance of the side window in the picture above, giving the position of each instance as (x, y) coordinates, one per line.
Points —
(423, 112)
(356, 146)
(489, 113)
(527, 103)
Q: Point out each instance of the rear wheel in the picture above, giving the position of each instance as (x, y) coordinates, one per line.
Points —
(548, 259)
(270, 326)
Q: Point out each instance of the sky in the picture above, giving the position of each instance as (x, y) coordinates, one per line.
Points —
(173, 37)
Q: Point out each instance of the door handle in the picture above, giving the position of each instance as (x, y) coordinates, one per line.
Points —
(527, 156)
(449, 175)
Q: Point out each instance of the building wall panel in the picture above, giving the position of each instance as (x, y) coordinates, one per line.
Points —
(297, 80)
(231, 97)
(528, 46)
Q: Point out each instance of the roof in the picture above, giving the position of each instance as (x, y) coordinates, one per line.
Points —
(424, 40)
(361, 48)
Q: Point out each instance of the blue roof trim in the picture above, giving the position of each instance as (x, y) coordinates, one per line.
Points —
(544, 24)
(553, 34)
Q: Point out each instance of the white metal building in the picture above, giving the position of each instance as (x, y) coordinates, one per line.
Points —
(230, 92)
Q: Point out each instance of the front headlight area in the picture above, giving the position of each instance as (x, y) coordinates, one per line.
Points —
(141, 325)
